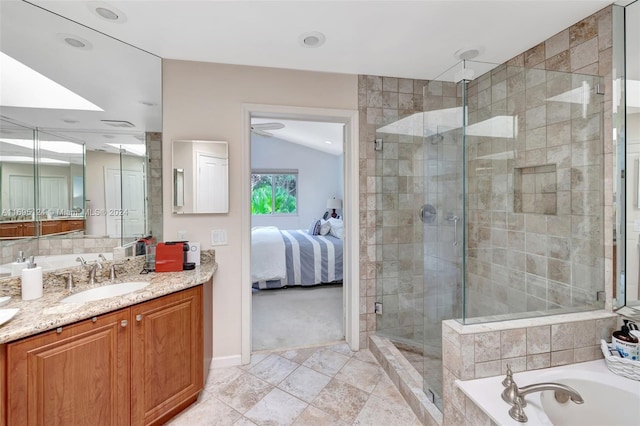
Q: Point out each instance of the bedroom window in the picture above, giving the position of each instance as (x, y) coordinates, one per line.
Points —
(274, 192)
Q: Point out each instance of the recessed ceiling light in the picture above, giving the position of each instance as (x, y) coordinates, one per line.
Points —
(312, 39)
(107, 12)
(69, 120)
(328, 142)
(109, 136)
(148, 103)
(75, 41)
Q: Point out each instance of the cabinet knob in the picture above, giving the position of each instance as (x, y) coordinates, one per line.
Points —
(94, 319)
(138, 317)
(124, 323)
(59, 330)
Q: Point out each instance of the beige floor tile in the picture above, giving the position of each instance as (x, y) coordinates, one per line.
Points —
(378, 411)
(304, 383)
(221, 377)
(277, 408)
(326, 361)
(209, 411)
(273, 369)
(244, 392)
(255, 359)
(242, 421)
(298, 355)
(366, 356)
(386, 390)
(360, 374)
(342, 348)
(313, 416)
(341, 400)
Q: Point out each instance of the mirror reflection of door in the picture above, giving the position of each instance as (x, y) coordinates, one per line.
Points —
(211, 181)
(131, 222)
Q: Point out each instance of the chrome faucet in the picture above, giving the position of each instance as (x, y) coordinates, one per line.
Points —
(112, 271)
(92, 272)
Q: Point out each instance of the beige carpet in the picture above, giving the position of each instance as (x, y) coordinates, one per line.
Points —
(296, 317)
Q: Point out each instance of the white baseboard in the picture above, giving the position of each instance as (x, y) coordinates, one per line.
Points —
(226, 361)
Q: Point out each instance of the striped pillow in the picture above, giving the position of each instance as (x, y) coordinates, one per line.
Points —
(314, 228)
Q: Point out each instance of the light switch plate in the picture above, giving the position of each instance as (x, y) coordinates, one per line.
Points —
(182, 235)
(218, 237)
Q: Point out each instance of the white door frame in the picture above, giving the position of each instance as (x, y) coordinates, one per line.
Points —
(350, 212)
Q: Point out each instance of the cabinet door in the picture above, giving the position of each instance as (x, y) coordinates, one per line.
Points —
(166, 356)
(78, 376)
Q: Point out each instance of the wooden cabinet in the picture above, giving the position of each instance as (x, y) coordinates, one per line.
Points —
(166, 354)
(139, 365)
(27, 229)
(16, 229)
(51, 227)
(77, 375)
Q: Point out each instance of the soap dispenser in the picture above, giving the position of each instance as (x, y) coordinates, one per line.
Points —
(625, 343)
(18, 265)
(31, 281)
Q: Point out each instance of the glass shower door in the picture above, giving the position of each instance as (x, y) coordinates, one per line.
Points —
(442, 218)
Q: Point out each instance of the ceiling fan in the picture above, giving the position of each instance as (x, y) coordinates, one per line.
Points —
(260, 128)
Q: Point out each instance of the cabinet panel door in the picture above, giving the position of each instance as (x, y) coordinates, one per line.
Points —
(79, 376)
(166, 352)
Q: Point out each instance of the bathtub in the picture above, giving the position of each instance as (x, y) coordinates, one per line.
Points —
(59, 261)
(609, 399)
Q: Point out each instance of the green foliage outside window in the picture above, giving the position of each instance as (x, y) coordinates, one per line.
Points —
(274, 193)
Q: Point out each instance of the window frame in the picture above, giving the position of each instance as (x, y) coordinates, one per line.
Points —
(273, 172)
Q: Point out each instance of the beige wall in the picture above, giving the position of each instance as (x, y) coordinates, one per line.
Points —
(203, 101)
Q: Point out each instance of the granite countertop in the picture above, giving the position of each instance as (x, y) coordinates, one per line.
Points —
(47, 313)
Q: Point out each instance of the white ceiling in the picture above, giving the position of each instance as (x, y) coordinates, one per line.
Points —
(411, 39)
(312, 134)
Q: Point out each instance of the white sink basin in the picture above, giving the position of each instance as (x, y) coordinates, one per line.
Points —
(105, 292)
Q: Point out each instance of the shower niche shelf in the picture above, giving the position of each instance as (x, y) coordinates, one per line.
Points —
(535, 189)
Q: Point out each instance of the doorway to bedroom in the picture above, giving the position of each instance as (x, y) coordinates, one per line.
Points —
(297, 232)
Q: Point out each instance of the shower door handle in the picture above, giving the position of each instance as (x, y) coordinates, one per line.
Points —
(454, 219)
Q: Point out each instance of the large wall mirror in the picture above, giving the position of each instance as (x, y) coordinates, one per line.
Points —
(77, 109)
(626, 122)
(200, 176)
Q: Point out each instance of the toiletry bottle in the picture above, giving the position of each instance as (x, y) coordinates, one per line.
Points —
(18, 265)
(625, 343)
(31, 281)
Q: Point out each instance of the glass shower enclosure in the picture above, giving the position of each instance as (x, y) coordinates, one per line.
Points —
(490, 205)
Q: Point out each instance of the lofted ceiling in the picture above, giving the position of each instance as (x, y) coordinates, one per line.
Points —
(410, 39)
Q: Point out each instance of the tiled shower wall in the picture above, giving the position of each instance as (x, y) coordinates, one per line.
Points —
(482, 350)
(539, 215)
(391, 192)
(154, 183)
(535, 200)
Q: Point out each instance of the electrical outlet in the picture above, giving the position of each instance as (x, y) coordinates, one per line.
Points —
(378, 308)
(182, 235)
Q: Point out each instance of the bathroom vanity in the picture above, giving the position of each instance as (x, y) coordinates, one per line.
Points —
(136, 359)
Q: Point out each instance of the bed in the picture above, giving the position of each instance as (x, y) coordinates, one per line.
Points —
(281, 258)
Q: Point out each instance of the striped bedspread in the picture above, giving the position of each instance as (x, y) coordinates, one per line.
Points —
(310, 260)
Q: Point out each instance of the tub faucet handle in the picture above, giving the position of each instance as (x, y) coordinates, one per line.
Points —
(509, 377)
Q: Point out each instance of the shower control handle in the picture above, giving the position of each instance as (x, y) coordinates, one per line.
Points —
(427, 213)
